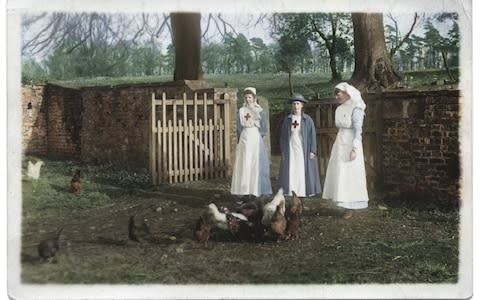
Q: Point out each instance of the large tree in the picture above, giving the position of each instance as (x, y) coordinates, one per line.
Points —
(325, 29)
(373, 65)
(187, 40)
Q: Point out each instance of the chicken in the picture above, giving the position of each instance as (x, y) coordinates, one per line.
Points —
(233, 224)
(293, 226)
(270, 208)
(202, 231)
(293, 217)
(49, 248)
(135, 232)
(75, 183)
(216, 218)
(247, 209)
(278, 221)
(296, 205)
(33, 169)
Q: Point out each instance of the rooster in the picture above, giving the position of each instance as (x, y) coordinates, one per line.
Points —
(47, 249)
(270, 208)
(33, 169)
(75, 183)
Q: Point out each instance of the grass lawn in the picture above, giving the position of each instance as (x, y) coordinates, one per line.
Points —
(274, 87)
(385, 243)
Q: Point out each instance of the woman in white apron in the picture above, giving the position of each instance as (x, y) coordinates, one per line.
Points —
(345, 181)
(298, 145)
(251, 171)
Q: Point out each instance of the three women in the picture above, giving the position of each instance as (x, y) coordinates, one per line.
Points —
(345, 181)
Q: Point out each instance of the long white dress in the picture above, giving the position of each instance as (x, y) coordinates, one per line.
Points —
(345, 181)
(296, 162)
(250, 172)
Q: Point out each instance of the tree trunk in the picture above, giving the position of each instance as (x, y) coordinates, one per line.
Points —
(445, 62)
(373, 66)
(333, 66)
(187, 41)
(290, 86)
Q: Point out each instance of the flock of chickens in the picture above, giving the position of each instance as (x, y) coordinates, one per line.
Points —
(253, 220)
(249, 220)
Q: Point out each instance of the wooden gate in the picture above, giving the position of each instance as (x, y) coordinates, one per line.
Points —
(323, 111)
(190, 139)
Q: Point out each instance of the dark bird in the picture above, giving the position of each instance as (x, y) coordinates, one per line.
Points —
(135, 232)
(202, 231)
(248, 209)
(48, 248)
(75, 183)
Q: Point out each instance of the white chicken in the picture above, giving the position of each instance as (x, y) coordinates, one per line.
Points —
(33, 169)
(217, 218)
(270, 207)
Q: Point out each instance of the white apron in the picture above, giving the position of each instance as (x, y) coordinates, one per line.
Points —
(296, 170)
(245, 170)
(345, 181)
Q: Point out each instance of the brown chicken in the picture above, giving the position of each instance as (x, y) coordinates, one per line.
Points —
(296, 204)
(293, 217)
(293, 226)
(279, 222)
(75, 183)
(202, 231)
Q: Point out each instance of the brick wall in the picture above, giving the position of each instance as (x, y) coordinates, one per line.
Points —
(64, 121)
(116, 120)
(34, 116)
(420, 148)
(115, 125)
(421, 145)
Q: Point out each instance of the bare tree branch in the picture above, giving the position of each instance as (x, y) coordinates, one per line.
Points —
(394, 50)
(322, 35)
(165, 22)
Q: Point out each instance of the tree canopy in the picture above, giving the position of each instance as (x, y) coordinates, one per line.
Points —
(72, 45)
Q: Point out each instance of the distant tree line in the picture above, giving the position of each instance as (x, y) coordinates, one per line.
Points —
(303, 43)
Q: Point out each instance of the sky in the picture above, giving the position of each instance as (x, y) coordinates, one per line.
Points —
(248, 25)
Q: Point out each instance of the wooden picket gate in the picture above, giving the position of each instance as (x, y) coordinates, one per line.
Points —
(323, 111)
(190, 139)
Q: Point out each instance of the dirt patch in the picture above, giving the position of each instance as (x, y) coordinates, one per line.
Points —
(377, 245)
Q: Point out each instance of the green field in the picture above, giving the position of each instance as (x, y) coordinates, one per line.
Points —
(271, 86)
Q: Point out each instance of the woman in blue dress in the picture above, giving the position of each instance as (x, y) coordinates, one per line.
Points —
(298, 146)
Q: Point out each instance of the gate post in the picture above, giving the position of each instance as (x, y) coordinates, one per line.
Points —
(152, 148)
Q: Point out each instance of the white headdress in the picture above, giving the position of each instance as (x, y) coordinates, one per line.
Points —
(251, 90)
(354, 94)
(255, 107)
